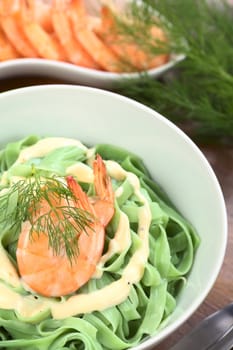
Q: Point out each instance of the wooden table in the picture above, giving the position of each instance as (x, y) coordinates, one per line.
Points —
(221, 159)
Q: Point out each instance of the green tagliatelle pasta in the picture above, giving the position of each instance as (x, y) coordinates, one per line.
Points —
(172, 245)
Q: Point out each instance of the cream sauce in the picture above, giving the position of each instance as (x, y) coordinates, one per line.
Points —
(8, 272)
(45, 146)
(118, 244)
(81, 171)
(114, 293)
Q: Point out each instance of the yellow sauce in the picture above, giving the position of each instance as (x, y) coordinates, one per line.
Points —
(8, 272)
(82, 172)
(45, 146)
(112, 294)
(118, 244)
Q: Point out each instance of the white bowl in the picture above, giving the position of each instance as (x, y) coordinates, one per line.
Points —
(74, 74)
(174, 161)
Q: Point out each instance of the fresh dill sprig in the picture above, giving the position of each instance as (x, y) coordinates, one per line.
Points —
(48, 204)
(199, 92)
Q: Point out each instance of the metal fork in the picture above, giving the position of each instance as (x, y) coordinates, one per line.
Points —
(224, 343)
(213, 333)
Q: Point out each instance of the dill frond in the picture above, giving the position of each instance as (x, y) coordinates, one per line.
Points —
(200, 89)
(24, 200)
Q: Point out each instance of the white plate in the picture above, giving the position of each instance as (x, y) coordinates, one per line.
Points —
(71, 73)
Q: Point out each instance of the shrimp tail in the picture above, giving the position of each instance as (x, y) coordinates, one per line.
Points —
(102, 182)
(81, 199)
(104, 206)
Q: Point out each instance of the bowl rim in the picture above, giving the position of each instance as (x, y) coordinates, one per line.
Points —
(43, 63)
(169, 328)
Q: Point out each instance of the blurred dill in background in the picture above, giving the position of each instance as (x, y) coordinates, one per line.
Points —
(198, 94)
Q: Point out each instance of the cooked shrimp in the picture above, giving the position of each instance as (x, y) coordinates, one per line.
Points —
(136, 57)
(10, 23)
(62, 27)
(54, 275)
(7, 51)
(41, 12)
(46, 44)
(9, 6)
(95, 46)
(104, 201)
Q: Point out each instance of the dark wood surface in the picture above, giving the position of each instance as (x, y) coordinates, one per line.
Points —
(221, 159)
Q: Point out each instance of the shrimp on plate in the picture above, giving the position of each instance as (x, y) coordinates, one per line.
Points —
(45, 43)
(7, 51)
(85, 34)
(136, 57)
(10, 12)
(54, 275)
(63, 30)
